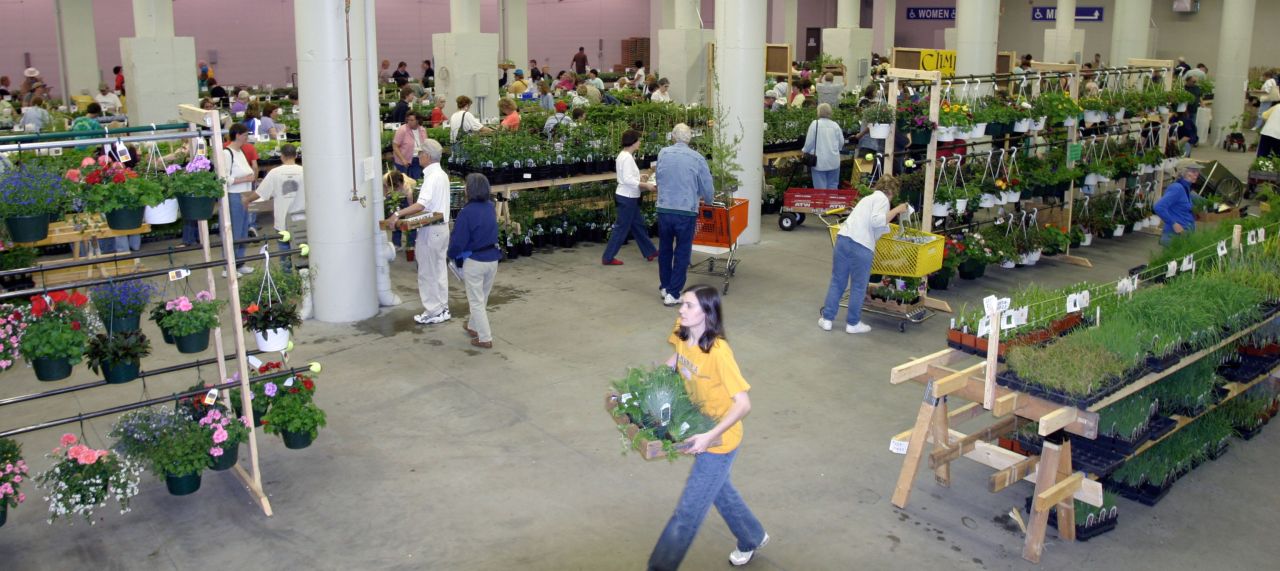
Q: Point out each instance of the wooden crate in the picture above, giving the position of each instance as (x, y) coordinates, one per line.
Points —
(648, 449)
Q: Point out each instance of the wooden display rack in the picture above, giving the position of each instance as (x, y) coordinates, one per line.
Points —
(1057, 486)
(87, 229)
(1073, 137)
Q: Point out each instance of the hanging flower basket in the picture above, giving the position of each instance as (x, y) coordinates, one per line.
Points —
(125, 218)
(116, 373)
(194, 343)
(196, 207)
(946, 134)
(51, 369)
(1022, 125)
(941, 210)
(272, 339)
(32, 228)
(296, 440)
(879, 130)
(988, 200)
(1087, 240)
(962, 204)
(164, 213)
(230, 456)
(1011, 196)
(1038, 124)
(978, 130)
(183, 485)
(1094, 116)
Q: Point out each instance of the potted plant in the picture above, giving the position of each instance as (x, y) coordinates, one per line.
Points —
(880, 117)
(166, 212)
(158, 313)
(118, 355)
(258, 394)
(1057, 108)
(13, 470)
(189, 321)
(223, 436)
(196, 187)
(55, 335)
(271, 324)
(952, 255)
(294, 414)
(117, 192)
(82, 479)
(180, 455)
(30, 195)
(12, 324)
(976, 254)
(954, 121)
(119, 304)
(1055, 240)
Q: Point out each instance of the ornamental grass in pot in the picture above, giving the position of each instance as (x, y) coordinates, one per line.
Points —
(31, 195)
(189, 321)
(118, 356)
(293, 414)
(56, 333)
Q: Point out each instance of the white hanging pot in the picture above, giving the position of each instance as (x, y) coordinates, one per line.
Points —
(1070, 121)
(1118, 232)
(1148, 169)
(1139, 224)
(1008, 265)
(1094, 116)
(989, 200)
(164, 213)
(1120, 114)
(1027, 259)
(273, 340)
(978, 130)
(1011, 196)
(1182, 107)
(879, 130)
(1039, 124)
(1163, 109)
(941, 210)
(946, 134)
(1035, 256)
(1087, 240)
(1153, 221)
(1022, 125)
(962, 204)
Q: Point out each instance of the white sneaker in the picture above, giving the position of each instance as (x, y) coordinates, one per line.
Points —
(859, 328)
(245, 270)
(825, 324)
(662, 293)
(426, 319)
(744, 557)
(669, 301)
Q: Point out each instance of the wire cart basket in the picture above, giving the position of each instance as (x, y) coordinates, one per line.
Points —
(902, 252)
(719, 226)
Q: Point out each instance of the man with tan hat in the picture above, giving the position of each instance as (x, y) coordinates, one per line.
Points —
(29, 85)
(1174, 207)
(107, 99)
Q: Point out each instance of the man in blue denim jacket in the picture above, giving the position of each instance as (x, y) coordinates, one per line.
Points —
(683, 179)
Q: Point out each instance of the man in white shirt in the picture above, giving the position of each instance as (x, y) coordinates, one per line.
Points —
(283, 187)
(107, 99)
(433, 239)
(781, 88)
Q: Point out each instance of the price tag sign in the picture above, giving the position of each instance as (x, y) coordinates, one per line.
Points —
(1172, 270)
(1073, 302)
(254, 362)
(202, 146)
(281, 137)
(990, 304)
(175, 275)
(1008, 320)
(1075, 151)
(1085, 297)
(55, 152)
(984, 326)
(1222, 249)
(1262, 234)
(1251, 238)
(122, 152)
(211, 397)
(1188, 263)
(898, 446)
(289, 383)
(1004, 304)
(1020, 315)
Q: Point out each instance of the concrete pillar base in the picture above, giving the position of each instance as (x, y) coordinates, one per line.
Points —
(466, 65)
(852, 45)
(684, 62)
(159, 71)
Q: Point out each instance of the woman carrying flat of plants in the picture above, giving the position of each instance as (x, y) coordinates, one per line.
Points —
(854, 249)
(1174, 206)
(714, 383)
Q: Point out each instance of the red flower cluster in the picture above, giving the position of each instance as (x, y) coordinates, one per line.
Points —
(43, 303)
(270, 366)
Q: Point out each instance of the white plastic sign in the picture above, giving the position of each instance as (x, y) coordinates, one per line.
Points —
(254, 362)
(898, 446)
(990, 304)
(1188, 262)
(1172, 270)
(289, 383)
(175, 275)
(1004, 304)
(984, 326)
(1262, 234)
(122, 152)
(1222, 249)
(211, 397)
(1251, 238)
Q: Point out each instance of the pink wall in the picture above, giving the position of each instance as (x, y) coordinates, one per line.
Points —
(254, 39)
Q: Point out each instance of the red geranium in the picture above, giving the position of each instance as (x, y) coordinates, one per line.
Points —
(309, 385)
(75, 325)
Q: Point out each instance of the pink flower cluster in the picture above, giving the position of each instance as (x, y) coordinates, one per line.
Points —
(13, 472)
(180, 304)
(204, 295)
(11, 327)
(218, 421)
(79, 452)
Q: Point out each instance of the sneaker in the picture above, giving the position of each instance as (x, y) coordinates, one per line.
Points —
(669, 301)
(662, 293)
(426, 319)
(824, 324)
(650, 257)
(252, 232)
(613, 262)
(482, 344)
(744, 557)
(244, 270)
(859, 328)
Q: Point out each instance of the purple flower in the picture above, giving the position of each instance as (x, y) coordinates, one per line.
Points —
(171, 169)
(270, 389)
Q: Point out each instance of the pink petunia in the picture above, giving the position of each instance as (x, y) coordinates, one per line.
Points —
(204, 296)
(87, 162)
(99, 454)
(68, 439)
(22, 498)
(72, 175)
(184, 304)
(215, 452)
(8, 468)
(219, 435)
(104, 160)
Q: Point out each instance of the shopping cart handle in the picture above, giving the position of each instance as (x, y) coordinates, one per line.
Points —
(836, 210)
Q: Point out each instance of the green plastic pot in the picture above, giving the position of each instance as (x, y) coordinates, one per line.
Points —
(183, 485)
(168, 337)
(125, 218)
(296, 440)
(51, 369)
(193, 343)
(230, 455)
(196, 207)
(120, 373)
(123, 324)
(4, 514)
(32, 228)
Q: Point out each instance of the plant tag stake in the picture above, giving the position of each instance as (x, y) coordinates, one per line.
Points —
(898, 446)
(1172, 270)
(289, 383)
(175, 275)
(211, 397)
(1188, 263)
(122, 152)
(1251, 238)
(984, 326)
(1222, 249)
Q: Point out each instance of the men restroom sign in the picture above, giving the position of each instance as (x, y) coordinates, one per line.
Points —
(1050, 14)
(931, 13)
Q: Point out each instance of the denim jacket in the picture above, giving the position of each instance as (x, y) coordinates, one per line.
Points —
(683, 178)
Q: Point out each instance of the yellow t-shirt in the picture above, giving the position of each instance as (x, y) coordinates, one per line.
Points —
(711, 380)
(517, 87)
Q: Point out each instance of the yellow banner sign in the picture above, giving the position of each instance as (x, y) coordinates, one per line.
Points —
(939, 60)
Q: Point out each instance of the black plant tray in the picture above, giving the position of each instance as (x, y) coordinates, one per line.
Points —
(1095, 461)
(1220, 451)
(1160, 426)
(1122, 446)
(1248, 434)
(1146, 494)
(1160, 364)
(1011, 380)
(1033, 444)
(1082, 533)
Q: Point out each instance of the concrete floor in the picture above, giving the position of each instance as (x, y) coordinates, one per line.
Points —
(440, 456)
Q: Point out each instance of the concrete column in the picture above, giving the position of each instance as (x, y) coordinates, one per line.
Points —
(366, 80)
(1063, 30)
(1130, 32)
(1235, 36)
(661, 17)
(740, 28)
(976, 36)
(153, 18)
(686, 15)
(849, 14)
(514, 15)
(338, 228)
(885, 17)
(787, 13)
(464, 16)
(77, 48)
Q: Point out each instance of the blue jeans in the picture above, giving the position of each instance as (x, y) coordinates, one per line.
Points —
(190, 232)
(825, 179)
(851, 268)
(1167, 235)
(708, 484)
(630, 221)
(413, 170)
(239, 215)
(675, 246)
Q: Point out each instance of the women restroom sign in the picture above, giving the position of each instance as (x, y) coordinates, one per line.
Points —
(1050, 14)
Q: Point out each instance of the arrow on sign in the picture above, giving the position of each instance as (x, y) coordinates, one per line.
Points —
(1097, 15)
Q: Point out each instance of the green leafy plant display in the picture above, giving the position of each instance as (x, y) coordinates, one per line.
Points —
(656, 402)
(293, 408)
(116, 348)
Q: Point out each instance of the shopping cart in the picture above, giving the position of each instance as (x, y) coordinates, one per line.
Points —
(902, 252)
(798, 202)
(719, 226)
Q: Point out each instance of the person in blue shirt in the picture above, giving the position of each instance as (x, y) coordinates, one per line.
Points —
(473, 245)
(683, 179)
(1174, 207)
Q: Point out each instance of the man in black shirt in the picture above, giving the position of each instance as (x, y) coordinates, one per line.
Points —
(402, 107)
(428, 74)
(535, 72)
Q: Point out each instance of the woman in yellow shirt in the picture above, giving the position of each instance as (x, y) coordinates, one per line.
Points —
(711, 376)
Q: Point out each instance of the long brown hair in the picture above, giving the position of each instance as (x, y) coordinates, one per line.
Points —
(709, 299)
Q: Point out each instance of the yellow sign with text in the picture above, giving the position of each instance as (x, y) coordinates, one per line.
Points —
(939, 60)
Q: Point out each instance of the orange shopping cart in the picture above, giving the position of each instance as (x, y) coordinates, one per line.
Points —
(719, 226)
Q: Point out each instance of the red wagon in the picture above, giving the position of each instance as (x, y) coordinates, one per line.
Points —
(797, 202)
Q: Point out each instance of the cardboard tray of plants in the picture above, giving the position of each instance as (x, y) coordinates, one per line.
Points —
(653, 411)
(1087, 531)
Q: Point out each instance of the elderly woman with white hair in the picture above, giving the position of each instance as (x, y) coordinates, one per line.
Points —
(683, 179)
(241, 103)
(824, 141)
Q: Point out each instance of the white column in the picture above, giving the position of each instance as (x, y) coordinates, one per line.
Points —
(1235, 37)
(338, 228)
(848, 13)
(366, 80)
(976, 36)
(1063, 27)
(686, 15)
(1130, 31)
(153, 18)
(514, 15)
(740, 54)
(464, 16)
(661, 17)
(77, 48)
(884, 13)
(782, 23)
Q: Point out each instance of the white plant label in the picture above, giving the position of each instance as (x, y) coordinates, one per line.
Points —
(1020, 315)
(55, 152)
(1004, 304)
(624, 398)
(990, 303)
(1188, 263)
(984, 326)
(1172, 270)
(281, 137)
(122, 152)
(684, 426)
(201, 146)
(175, 275)
(1251, 238)
(1073, 302)
(528, 176)
(1222, 249)
(254, 362)
(1008, 320)
(289, 383)
(1262, 234)
(211, 397)
(1084, 296)
(898, 446)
